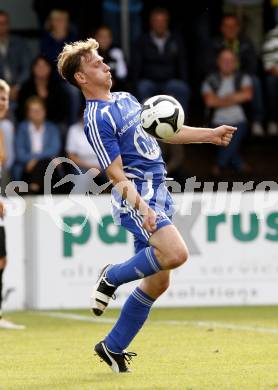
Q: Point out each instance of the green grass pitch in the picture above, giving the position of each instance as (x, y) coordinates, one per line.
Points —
(185, 349)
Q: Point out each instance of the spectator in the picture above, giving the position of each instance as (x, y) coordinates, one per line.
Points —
(15, 57)
(80, 152)
(270, 62)
(4, 107)
(58, 33)
(111, 13)
(53, 40)
(159, 61)
(41, 83)
(113, 56)
(83, 13)
(225, 93)
(250, 14)
(247, 62)
(274, 4)
(7, 136)
(37, 143)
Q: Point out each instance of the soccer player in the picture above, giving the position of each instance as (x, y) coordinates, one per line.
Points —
(141, 202)
(4, 107)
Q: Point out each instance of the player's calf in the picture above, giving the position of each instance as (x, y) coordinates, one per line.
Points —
(155, 285)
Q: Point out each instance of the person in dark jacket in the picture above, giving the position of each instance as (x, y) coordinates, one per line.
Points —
(15, 57)
(59, 32)
(37, 142)
(42, 84)
(159, 61)
(112, 56)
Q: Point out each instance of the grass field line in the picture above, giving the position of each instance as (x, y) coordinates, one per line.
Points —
(195, 324)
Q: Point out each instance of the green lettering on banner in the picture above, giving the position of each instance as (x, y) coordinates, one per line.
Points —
(272, 222)
(253, 230)
(105, 236)
(80, 237)
(212, 222)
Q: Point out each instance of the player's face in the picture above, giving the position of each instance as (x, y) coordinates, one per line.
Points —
(4, 104)
(95, 72)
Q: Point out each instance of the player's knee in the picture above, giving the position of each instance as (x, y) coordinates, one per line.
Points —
(178, 257)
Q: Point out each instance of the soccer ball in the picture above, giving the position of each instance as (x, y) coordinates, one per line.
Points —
(162, 116)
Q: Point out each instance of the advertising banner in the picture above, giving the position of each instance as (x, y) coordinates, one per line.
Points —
(232, 240)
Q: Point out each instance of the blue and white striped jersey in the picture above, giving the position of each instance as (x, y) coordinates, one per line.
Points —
(113, 128)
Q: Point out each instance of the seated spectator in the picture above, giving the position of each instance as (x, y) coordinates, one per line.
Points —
(159, 61)
(247, 62)
(270, 62)
(37, 142)
(80, 152)
(225, 93)
(7, 136)
(41, 83)
(15, 57)
(53, 40)
(57, 34)
(250, 14)
(113, 56)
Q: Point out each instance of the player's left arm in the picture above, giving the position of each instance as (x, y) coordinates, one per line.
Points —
(220, 135)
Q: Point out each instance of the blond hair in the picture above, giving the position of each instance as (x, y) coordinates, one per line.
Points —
(4, 86)
(69, 60)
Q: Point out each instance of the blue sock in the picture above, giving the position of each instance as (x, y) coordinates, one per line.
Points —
(143, 264)
(133, 315)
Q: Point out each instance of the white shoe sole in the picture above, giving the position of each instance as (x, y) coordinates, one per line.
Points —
(4, 324)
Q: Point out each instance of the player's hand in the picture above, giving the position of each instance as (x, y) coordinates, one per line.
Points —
(223, 135)
(149, 220)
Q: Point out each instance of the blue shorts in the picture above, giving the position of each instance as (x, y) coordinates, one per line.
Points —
(158, 198)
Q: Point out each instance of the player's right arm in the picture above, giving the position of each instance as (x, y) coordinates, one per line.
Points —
(116, 175)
